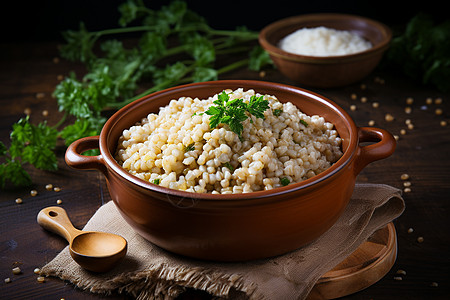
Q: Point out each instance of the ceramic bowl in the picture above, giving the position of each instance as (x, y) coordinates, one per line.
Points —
(329, 71)
(235, 227)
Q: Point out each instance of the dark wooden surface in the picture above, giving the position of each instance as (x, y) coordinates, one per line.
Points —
(28, 69)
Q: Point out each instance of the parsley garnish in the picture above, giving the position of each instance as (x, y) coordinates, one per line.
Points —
(284, 181)
(229, 166)
(304, 123)
(156, 181)
(277, 112)
(190, 147)
(236, 111)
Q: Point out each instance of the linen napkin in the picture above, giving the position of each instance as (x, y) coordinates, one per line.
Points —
(149, 272)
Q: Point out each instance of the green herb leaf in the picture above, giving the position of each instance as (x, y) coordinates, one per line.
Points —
(259, 58)
(234, 112)
(422, 51)
(277, 112)
(79, 45)
(190, 147)
(284, 181)
(12, 171)
(228, 165)
(257, 106)
(34, 144)
(304, 123)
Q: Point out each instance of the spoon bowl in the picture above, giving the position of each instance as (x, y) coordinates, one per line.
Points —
(94, 251)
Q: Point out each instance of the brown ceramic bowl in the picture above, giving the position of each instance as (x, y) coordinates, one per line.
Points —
(330, 71)
(233, 227)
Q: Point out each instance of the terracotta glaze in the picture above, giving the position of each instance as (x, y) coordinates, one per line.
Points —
(234, 227)
(331, 71)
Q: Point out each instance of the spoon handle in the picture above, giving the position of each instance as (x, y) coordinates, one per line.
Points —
(55, 219)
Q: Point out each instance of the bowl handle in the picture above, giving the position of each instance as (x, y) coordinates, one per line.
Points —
(75, 159)
(383, 145)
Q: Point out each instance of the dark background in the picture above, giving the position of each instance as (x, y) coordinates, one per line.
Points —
(45, 19)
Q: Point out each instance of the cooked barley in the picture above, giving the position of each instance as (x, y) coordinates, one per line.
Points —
(291, 145)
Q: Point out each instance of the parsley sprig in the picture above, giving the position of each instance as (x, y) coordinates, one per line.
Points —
(30, 144)
(234, 112)
(174, 45)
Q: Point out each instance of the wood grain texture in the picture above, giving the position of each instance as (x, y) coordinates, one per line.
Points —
(423, 153)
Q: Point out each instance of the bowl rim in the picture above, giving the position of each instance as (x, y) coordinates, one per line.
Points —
(278, 52)
(114, 166)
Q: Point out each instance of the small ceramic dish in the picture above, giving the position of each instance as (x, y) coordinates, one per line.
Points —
(328, 71)
(233, 227)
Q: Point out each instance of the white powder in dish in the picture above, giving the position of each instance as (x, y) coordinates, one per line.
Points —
(323, 41)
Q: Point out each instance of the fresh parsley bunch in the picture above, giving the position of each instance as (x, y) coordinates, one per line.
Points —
(173, 45)
(422, 51)
(29, 144)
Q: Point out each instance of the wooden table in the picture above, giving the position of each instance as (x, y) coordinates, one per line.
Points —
(29, 74)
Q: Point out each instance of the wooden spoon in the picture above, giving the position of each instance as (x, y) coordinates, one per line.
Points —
(94, 251)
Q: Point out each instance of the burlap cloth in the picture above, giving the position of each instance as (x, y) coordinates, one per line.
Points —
(148, 272)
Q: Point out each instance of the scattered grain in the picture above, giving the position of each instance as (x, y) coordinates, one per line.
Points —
(56, 60)
(27, 111)
(19, 201)
(7, 280)
(33, 193)
(409, 100)
(404, 176)
(438, 101)
(56, 189)
(410, 126)
(16, 270)
(438, 111)
(352, 107)
(353, 96)
(379, 80)
(410, 230)
(407, 190)
(396, 137)
(402, 131)
(363, 99)
(262, 74)
(363, 86)
(45, 113)
(60, 77)
(420, 239)
(434, 284)
(59, 201)
(37, 271)
(429, 101)
(407, 183)
(408, 110)
(375, 104)
(40, 279)
(40, 95)
(401, 272)
(443, 123)
(371, 123)
(388, 117)
(49, 187)
(398, 278)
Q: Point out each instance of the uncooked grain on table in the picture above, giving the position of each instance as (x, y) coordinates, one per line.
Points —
(177, 149)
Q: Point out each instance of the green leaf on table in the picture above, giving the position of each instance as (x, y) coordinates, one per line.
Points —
(259, 58)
